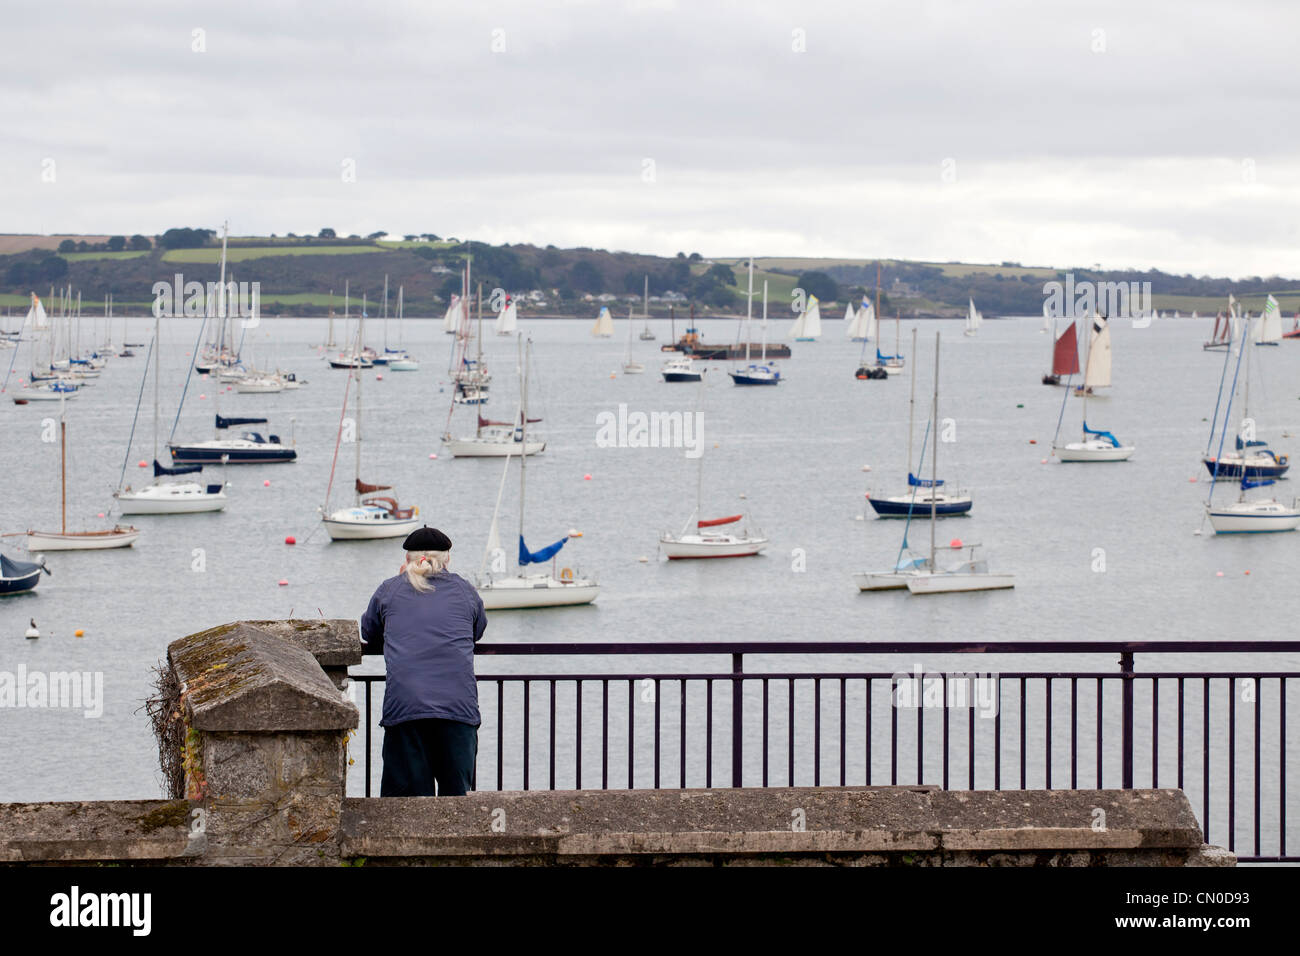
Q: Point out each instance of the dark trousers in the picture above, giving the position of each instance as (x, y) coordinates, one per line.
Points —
(421, 753)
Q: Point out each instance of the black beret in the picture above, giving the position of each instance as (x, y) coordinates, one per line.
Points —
(427, 539)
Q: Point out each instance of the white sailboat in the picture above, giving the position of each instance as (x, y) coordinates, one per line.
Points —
(630, 367)
(808, 326)
(370, 517)
(1094, 444)
(167, 497)
(1247, 515)
(506, 590)
(603, 327)
(862, 328)
(65, 540)
(451, 320)
(1269, 329)
(1047, 321)
(402, 360)
(711, 537)
(646, 334)
(970, 574)
(973, 319)
(508, 318)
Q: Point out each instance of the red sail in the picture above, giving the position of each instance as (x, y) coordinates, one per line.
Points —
(1065, 357)
(365, 489)
(712, 523)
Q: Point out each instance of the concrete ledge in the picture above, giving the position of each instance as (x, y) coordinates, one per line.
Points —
(876, 826)
(239, 678)
(110, 830)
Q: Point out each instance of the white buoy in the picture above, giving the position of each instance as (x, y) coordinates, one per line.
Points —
(643, 559)
(32, 632)
(866, 467)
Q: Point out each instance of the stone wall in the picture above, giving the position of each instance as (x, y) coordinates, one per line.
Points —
(266, 727)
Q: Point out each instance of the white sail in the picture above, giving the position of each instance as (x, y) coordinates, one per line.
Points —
(870, 325)
(973, 318)
(507, 319)
(809, 323)
(604, 325)
(36, 314)
(1047, 319)
(451, 320)
(850, 321)
(1269, 328)
(1097, 374)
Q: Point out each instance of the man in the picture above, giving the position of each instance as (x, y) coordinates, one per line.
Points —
(425, 621)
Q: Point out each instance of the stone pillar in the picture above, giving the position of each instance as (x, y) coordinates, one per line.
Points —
(266, 738)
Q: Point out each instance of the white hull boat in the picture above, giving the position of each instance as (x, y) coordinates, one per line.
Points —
(171, 498)
(711, 545)
(367, 522)
(536, 590)
(948, 582)
(489, 446)
(116, 537)
(1094, 450)
(1253, 517)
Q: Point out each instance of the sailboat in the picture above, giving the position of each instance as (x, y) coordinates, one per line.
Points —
(1047, 320)
(762, 373)
(603, 327)
(1246, 516)
(925, 493)
(402, 361)
(1065, 356)
(971, 574)
(646, 335)
(250, 448)
(1222, 335)
(630, 367)
(508, 318)
(808, 326)
(521, 589)
(64, 540)
(1096, 369)
(705, 537)
(451, 319)
(1094, 445)
(973, 319)
(1269, 329)
(369, 518)
(166, 497)
(492, 439)
(19, 577)
(862, 326)
(469, 376)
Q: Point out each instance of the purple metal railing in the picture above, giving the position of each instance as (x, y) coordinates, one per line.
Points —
(769, 714)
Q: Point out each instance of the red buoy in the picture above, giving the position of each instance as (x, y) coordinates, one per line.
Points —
(290, 540)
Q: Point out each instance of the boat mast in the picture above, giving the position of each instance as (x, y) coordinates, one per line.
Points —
(911, 404)
(749, 310)
(401, 332)
(157, 369)
(356, 368)
(385, 311)
(329, 336)
(645, 307)
(763, 351)
(523, 423)
(934, 457)
(878, 294)
(221, 320)
(63, 462)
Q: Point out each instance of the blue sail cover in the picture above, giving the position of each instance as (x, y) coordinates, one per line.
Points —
(160, 469)
(1248, 483)
(1114, 442)
(1249, 444)
(884, 358)
(915, 482)
(548, 552)
(227, 422)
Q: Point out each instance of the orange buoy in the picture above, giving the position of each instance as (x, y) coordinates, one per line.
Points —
(80, 633)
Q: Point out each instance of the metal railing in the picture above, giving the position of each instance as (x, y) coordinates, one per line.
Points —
(1220, 735)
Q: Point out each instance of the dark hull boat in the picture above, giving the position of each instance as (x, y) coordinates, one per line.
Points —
(870, 371)
(250, 448)
(18, 577)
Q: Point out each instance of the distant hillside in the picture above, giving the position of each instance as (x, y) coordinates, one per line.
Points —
(298, 274)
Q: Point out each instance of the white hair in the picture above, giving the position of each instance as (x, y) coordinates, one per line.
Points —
(422, 565)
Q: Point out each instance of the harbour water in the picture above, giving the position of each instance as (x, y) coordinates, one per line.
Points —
(1103, 552)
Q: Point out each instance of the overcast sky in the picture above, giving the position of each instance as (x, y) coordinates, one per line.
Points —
(1130, 134)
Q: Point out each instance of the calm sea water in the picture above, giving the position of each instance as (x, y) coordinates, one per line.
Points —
(1099, 552)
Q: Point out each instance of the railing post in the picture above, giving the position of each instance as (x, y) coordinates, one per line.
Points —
(737, 716)
(1126, 737)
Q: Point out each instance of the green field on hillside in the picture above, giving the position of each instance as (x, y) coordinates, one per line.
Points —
(126, 254)
(413, 244)
(243, 254)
